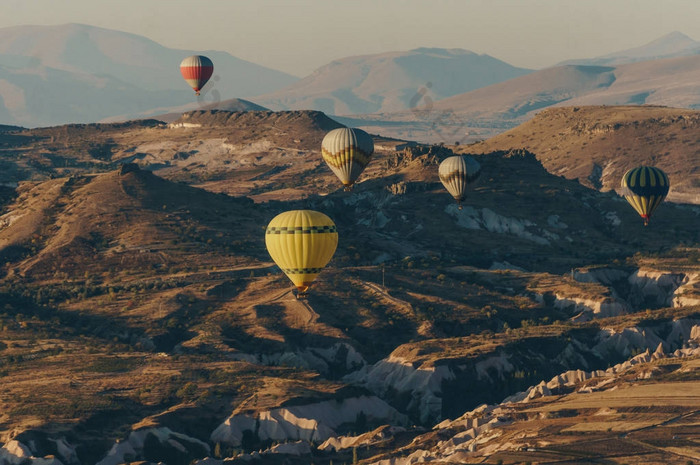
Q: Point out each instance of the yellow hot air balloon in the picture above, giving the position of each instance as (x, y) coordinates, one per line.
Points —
(347, 151)
(301, 242)
(645, 188)
(456, 172)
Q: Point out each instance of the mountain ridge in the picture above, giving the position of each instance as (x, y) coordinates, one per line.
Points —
(672, 45)
(488, 111)
(598, 144)
(389, 80)
(48, 74)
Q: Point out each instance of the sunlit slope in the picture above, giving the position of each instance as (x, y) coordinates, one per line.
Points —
(598, 144)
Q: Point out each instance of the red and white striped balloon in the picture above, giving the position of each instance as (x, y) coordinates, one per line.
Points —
(196, 70)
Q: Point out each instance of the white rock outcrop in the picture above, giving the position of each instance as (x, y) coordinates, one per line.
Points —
(383, 433)
(208, 461)
(310, 422)
(688, 294)
(133, 445)
(476, 428)
(66, 451)
(598, 308)
(498, 364)
(646, 287)
(425, 383)
(486, 219)
(15, 453)
(635, 339)
(311, 358)
(607, 276)
(656, 287)
(681, 331)
(290, 448)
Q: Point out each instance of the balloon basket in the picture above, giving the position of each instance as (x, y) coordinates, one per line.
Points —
(302, 292)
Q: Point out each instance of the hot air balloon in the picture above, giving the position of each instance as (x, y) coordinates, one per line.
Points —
(196, 70)
(347, 152)
(301, 242)
(645, 187)
(456, 172)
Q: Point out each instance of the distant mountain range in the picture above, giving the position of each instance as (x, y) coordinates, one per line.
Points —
(675, 44)
(390, 81)
(671, 82)
(78, 73)
(482, 113)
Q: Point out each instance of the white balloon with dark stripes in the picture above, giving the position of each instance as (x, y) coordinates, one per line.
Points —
(347, 151)
(456, 173)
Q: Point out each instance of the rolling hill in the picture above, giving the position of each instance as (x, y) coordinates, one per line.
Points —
(672, 45)
(516, 98)
(78, 73)
(170, 114)
(144, 321)
(597, 144)
(671, 82)
(389, 81)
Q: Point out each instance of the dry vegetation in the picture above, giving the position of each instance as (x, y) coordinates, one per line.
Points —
(133, 298)
(597, 145)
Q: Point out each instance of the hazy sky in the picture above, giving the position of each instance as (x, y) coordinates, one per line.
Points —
(299, 36)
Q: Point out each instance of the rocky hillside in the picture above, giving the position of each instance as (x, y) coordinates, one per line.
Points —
(207, 147)
(626, 412)
(596, 145)
(144, 321)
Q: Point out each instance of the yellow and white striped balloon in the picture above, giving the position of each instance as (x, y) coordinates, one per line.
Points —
(456, 173)
(347, 151)
(645, 187)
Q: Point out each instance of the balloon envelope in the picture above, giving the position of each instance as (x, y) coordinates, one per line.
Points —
(347, 151)
(456, 173)
(196, 70)
(645, 187)
(301, 242)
